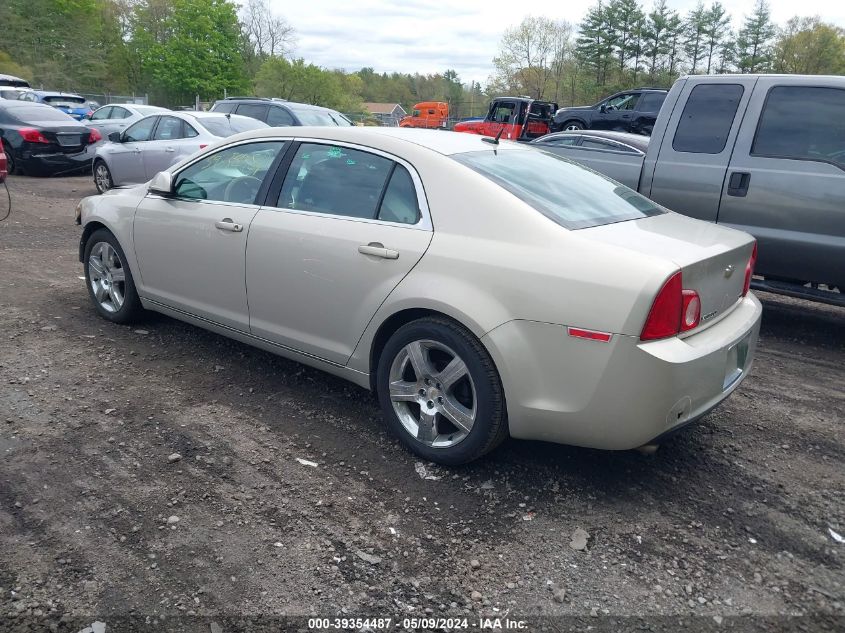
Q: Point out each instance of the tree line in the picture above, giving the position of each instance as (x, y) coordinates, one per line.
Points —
(620, 44)
(173, 50)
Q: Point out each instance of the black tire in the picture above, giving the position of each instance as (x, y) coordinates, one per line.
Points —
(11, 163)
(490, 425)
(105, 182)
(571, 126)
(646, 130)
(129, 308)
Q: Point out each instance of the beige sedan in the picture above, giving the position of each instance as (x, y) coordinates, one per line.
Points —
(483, 290)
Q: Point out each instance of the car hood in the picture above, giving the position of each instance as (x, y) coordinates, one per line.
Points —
(571, 109)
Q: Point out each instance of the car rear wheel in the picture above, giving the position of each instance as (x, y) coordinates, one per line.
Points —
(102, 176)
(11, 164)
(572, 126)
(440, 392)
(109, 280)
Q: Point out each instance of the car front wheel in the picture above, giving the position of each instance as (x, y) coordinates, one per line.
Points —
(440, 392)
(102, 177)
(109, 280)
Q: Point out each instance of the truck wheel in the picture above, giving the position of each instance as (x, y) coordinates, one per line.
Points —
(572, 126)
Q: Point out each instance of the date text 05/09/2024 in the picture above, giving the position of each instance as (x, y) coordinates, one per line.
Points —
(417, 624)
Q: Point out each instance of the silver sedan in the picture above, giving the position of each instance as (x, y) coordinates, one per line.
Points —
(115, 117)
(481, 289)
(157, 141)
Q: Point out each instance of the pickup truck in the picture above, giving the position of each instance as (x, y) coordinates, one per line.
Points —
(761, 153)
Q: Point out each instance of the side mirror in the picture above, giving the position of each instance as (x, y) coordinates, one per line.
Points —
(114, 137)
(603, 108)
(162, 184)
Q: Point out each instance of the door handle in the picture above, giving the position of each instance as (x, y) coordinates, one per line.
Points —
(626, 116)
(226, 224)
(169, 149)
(738, 184)
(377, 249)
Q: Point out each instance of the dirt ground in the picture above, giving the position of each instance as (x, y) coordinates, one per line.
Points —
(727, 527)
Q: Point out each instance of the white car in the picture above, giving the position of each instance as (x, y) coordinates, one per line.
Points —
(482, 289)
(157, 141)
(115, 117)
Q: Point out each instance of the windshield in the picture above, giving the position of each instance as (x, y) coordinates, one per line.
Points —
(571, 195)
(65, 100)
(322, 117)
(224, 126)
(27, 114)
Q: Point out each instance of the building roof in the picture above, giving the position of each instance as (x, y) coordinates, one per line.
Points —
(382, 108)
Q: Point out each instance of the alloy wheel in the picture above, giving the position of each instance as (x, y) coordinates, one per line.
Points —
(107, 277)
(102, 177)
(572, 127)
(433, 393)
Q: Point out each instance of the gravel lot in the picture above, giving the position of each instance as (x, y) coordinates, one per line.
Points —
(150, 477)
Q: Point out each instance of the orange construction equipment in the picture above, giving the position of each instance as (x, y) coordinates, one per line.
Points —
(428, 115)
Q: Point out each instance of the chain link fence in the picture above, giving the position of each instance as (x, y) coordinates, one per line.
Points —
(104, 98)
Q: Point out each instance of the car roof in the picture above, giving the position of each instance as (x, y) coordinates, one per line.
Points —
(637, 141)
(439, 141)
(52, 93)
(17, 103)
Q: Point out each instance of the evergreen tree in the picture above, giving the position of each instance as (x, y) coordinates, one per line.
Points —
(655, 37)
(718, 24)
(695, 27)
(595, 44)
(754, 42)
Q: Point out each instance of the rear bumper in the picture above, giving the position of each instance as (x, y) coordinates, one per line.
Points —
(621, 394)
(56, 163)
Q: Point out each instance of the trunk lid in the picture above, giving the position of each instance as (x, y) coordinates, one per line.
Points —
(712, 258)
(65, 138)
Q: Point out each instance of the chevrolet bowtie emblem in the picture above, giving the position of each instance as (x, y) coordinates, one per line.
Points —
(729, 271)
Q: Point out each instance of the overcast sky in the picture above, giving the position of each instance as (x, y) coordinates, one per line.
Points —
(428, 36)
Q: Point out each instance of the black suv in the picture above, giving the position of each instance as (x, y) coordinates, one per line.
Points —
(630, 111)
(280, 113)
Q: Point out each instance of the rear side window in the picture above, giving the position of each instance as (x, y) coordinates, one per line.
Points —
(399, 203)
(821, 135)
(707, 118)
(335, 180)
(651, 101)
(169, 128)
(119, 113)
(560, 189)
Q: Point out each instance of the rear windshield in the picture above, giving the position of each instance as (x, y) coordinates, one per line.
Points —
(571, 195)
(38, 113)
(64, 100)
(225, 126)
(322, 117)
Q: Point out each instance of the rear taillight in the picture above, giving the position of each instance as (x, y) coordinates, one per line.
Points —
(749, 270)
(94, 136)
(691, 310)
(674, 310)
(31, 135)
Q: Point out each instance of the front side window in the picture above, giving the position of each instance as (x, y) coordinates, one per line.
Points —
(140, 131)
(224, 126)
(560, 189)
(622, 102)
(335, 180)
(102, 113)
(234, 174)
(254, 110)
(707, 118)
(503, 112)
(279, 117)
(562, 140)
(821, 135)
